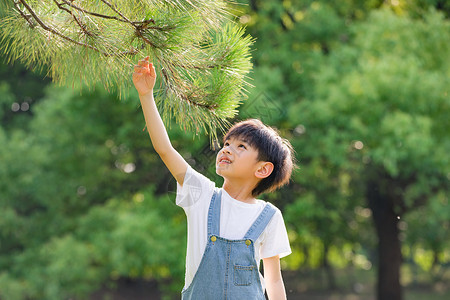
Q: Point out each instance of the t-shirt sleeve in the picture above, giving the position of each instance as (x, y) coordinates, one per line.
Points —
(194, 187)
(275, 240)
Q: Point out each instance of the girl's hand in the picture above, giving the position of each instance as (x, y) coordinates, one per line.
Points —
(144, 76)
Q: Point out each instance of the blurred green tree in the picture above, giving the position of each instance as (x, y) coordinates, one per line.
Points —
(379, 113)
(20, 89)
(61, 179)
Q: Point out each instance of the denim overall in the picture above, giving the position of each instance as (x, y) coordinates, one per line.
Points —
(228, 269)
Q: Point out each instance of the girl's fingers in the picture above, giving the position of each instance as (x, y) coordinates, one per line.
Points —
(152, 70)
(143, 62)
(144, 66)
(144, 69)
(139, 69)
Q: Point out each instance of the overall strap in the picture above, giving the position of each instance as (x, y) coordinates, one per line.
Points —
(260, 223)
(214, 213)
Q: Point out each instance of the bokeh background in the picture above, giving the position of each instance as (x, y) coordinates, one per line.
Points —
(360, 88)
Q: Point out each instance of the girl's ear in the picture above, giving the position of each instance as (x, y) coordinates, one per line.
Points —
(264, 170)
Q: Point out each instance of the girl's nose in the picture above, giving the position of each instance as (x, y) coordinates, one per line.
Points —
(226, 149)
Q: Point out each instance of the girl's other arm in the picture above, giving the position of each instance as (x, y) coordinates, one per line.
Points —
(273, 278)
(144, 77)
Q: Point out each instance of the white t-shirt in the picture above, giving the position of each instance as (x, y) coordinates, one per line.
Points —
(235, 220)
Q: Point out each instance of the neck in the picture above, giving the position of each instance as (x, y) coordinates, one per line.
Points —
(239, 191)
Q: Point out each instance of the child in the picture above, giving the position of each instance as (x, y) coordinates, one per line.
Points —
(229, 231)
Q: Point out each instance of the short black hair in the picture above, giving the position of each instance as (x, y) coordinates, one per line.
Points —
(271, 147)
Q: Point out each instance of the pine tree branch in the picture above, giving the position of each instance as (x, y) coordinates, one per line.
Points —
(117, 11)
(138, 32)
(92, 13)
(138, 25)
(56, 32)
(78, 21)
(203, 64)
(26, 17)
(142, 24)
(183, 96)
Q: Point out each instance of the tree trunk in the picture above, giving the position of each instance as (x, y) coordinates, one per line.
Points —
(389, 246)
(329, 272)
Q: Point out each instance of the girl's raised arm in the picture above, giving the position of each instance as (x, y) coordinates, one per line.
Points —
(144, 78)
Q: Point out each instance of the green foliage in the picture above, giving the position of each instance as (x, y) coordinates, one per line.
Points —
(140, 237)
(391, 101)
(378, 105)
(6, 99)
(19, 90)
(201, 56)
(57, 177)
(84, 201)
(430, 233)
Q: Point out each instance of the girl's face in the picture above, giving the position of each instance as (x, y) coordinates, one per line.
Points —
(237, 159)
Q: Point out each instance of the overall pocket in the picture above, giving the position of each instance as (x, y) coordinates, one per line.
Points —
(243, 275)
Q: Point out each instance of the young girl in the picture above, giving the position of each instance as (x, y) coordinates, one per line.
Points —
(229, 230)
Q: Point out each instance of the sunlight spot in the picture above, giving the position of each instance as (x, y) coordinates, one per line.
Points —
(363, 211)
(358, 287)
(367, 265)
(138, 198)
(24, 106)
(299, 15)
(81, 190)
(109, 143)
(358, 145)
(115, 150)
(362, 262)
(402, 225)
(300, 129)
(245, 19)
(315, 5)
(15, 107)
(129, 168)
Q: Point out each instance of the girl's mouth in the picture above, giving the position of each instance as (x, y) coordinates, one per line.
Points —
(224, 161)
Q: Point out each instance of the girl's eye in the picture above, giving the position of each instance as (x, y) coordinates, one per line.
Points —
(243, 146)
